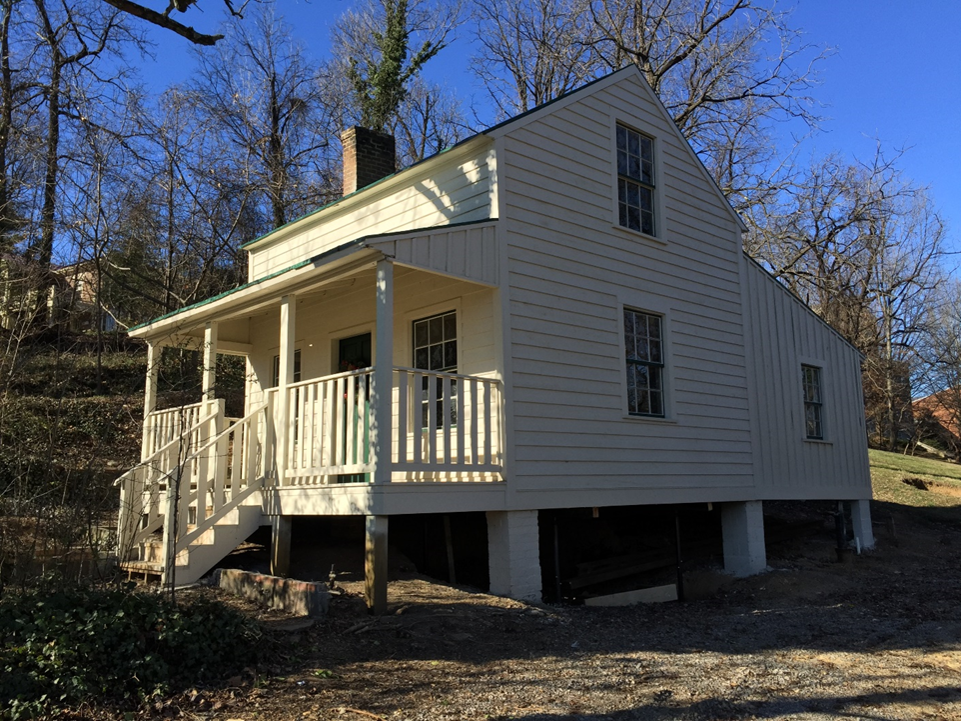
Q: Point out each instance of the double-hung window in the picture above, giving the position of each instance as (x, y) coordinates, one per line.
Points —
(644, 351)
(811, 382)
(635, 180)
(435, 349)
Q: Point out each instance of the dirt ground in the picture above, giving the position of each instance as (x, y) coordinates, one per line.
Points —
(878, 637)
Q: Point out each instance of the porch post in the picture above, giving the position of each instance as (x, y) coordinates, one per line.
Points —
(280, 532)
(209, 379)
(380, 431)
(375, 565)
(154, 351)
(288, 325)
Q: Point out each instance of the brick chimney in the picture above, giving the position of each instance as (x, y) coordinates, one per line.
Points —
(368, 157)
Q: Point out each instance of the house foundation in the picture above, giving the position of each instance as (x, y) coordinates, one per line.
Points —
(514, 554)
(743, 531)
(861, 523)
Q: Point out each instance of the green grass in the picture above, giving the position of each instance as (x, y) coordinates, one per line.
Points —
(888, 471)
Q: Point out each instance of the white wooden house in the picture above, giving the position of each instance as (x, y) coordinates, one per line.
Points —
(554, 313)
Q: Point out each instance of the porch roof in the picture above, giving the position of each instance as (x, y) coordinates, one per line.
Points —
(468, 251)
(330, 265)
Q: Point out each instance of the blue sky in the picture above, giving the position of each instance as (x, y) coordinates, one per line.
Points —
(894, 75)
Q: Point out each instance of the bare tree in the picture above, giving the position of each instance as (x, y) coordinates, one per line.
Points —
(260, 91)
(866, 250)
(429, 120)
(532, 51)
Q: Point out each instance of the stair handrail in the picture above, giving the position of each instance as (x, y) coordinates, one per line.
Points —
(163, 449)
(215, 439)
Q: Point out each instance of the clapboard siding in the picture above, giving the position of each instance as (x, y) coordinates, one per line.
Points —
(570, 272)
(785, 334)
(458, 191)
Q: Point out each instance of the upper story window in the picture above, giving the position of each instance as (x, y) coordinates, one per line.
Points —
(644, 350)
(811, 380)
(635, 180)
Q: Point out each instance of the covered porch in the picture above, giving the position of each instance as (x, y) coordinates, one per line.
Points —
(373, 375)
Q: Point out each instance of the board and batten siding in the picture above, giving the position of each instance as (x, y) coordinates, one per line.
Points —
(571, 272)
(453, 192)
(785, 334)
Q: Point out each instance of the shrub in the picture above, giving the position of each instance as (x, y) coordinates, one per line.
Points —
(71, 646)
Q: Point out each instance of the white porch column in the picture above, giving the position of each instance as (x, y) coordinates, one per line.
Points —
(288, 329)
(209, 378)
(375, 565)
(154, 351)
(380, 431)
(514, 554)
(743, 530)
(861, 522)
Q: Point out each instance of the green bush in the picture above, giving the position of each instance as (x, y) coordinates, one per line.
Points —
(68, 647)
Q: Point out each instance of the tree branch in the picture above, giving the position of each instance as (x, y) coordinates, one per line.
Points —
(161, 20)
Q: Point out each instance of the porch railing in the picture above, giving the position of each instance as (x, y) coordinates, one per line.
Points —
(443, 423)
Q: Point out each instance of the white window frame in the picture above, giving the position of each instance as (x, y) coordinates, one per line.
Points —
(818, 404)
(642, 303)
(657, 188)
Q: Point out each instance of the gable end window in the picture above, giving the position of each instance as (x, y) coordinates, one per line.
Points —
(635, 181)
(811, 382)
(644, 351)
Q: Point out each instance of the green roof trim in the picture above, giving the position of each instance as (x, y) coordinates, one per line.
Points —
(226, 293)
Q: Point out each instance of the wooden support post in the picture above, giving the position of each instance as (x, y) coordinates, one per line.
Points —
(380, 431)
(209, 378)
(284, 428)
(375, 565)
(154, 352)
(280, 532)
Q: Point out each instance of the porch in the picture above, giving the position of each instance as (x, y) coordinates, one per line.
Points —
(377, 438)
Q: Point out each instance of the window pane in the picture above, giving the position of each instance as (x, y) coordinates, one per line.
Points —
(633, 218)
(647, 223)
(633, 143)
(420, 333)
(621, 138)
(621, 163)
(450, 354)
(436, 357)
(657, 403)
(436, 330)
(450, 326)
(420, 358)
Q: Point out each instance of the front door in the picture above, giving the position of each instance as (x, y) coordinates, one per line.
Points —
(354, 354)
